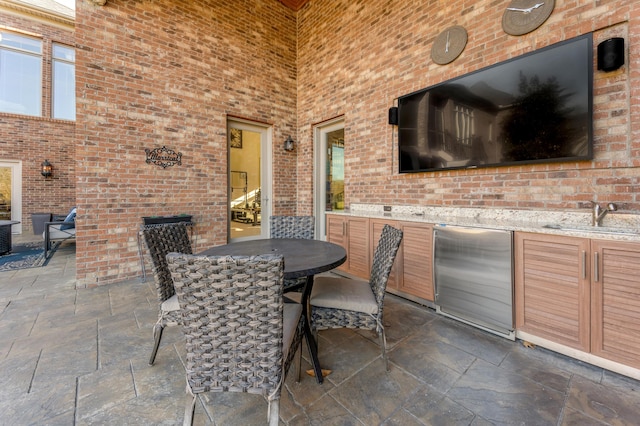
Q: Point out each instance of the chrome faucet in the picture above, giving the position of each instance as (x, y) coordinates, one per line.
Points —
(598, 213)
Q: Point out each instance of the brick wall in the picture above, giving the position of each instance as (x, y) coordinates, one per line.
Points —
(31, 140)
(166, 73)
(356, 58)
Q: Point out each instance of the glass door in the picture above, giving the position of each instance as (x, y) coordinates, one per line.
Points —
(329, 179)
(249, 178)
(11, 193)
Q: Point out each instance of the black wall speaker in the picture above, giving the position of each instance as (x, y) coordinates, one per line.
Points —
(611, 54)
(393, 115)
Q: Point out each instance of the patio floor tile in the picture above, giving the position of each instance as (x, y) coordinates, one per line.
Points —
(80, 357)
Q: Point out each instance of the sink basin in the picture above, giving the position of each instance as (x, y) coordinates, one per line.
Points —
(593, 229)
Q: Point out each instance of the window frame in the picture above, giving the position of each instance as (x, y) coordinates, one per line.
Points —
(55, 84)
(20, 48)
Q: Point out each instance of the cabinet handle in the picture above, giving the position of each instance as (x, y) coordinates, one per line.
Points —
(584, 265)
(596, 271)
(344, 228)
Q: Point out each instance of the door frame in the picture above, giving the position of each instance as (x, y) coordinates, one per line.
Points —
(16, 192)
(320, 176)
(266, 172)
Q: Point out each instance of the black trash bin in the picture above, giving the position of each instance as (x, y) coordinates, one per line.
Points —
(38, 220)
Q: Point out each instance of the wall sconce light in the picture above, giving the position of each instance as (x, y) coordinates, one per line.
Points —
(289, 144)
(46, 169)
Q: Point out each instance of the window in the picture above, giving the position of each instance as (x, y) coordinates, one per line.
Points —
(20, 74)
(64, 83)
(21, 83)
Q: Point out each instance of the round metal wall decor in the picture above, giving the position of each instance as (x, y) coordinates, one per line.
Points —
(449, 44)
(523, 16)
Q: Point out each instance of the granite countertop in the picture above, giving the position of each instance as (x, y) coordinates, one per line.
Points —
(616, 225)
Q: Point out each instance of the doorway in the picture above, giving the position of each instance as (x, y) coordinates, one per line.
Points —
(249, 179)
(329, 166)
(11, 193)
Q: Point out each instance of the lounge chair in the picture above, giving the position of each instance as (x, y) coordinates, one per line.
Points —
(56, 231)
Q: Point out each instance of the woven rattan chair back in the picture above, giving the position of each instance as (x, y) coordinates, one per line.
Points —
(232, 310)
(324, 317)
(301, 227)
(161, 240)
(383, 258)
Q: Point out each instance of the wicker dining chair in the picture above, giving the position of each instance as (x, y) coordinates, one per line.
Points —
(300, 227)
(161, 240)
(240, 336)
(338, 302)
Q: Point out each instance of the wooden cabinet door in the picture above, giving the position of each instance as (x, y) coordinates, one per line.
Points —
(552, 288)
(615, 301)
(416, 260)
(358, 247)
(376, 226)
(352, 233)
(336, 230)
(337, 234)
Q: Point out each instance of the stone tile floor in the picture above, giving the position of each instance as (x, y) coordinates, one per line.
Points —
(79, 357)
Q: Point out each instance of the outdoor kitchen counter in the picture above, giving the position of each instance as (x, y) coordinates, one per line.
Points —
(617, 225)
(567, 268)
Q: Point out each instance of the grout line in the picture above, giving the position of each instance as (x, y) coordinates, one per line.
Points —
(75, 402)
(564, 400)
(133, 378)
(97, 344)
(33, 376)
(33, 325)
(4, 308)
(353, 415)
(110, 299)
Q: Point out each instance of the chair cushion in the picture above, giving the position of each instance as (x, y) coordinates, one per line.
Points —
(70, 220)
(291, 317)
(343, 293)
(171, 304)
(292, 297)
(57, 233)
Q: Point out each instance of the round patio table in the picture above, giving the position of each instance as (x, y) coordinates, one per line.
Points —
(302, 258)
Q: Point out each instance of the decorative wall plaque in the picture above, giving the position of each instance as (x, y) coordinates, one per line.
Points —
(163, 157)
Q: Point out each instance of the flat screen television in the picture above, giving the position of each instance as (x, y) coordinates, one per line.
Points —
(531, 109)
